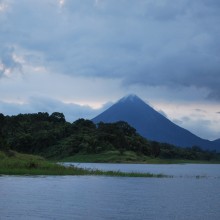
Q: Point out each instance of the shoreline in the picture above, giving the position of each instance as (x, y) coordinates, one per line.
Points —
(128, 158)
(24, 164)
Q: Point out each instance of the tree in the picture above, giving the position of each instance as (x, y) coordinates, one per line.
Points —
(125, 128)
(155, 148)
(84, 123)
(57, 117)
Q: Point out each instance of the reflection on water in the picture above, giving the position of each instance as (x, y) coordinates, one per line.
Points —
(93, 197)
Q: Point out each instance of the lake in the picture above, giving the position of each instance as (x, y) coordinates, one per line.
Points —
(193, 193)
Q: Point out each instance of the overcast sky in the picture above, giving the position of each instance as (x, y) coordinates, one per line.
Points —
(80, 56)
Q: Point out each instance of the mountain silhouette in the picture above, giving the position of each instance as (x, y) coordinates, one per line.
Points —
(151, 124)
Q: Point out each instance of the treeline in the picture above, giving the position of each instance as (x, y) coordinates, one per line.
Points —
(52, 137)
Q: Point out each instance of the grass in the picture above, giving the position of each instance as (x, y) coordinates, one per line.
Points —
(107, 157)
(128, 157)
(13, 163)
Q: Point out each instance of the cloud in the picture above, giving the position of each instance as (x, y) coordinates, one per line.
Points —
(146, 42)
(152, 43)
(202, 122)
(71, 111)
(200, 110)
(202, 127)
(178, 122)
(8, 61)
(162, 113)
(197, 117)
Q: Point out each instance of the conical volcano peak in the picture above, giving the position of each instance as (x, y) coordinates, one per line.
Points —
(130, 97)
(151, 124)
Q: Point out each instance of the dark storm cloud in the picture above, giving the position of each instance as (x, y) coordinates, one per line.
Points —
(145, 42)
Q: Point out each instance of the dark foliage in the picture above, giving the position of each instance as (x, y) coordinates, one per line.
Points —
(53, 137)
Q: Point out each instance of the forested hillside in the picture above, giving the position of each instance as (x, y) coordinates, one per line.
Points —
(52, 137)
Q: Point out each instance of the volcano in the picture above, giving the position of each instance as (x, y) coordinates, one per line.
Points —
(151, 124)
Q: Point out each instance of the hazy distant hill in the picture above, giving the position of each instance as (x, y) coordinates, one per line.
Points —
(151, 124)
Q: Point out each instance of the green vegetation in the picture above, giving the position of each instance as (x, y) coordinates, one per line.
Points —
(128, 157)
(13, 163)
(20, 164)
(51, 137)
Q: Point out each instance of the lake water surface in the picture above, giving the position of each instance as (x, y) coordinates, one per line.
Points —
(193, 193)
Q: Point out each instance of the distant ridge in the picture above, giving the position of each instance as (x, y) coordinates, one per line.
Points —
(151, 124)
